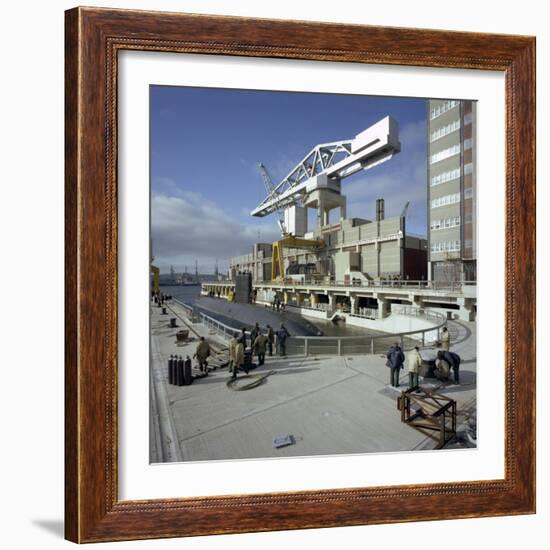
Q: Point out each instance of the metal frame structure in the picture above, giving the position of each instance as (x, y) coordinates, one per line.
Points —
(337, 160)
(434, 414)
(277, 263)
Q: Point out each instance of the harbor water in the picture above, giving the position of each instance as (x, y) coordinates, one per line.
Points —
(236, 314)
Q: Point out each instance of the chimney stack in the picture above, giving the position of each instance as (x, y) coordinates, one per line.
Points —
(379, 210)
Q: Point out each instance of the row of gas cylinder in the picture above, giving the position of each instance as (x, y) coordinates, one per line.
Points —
(180, 371)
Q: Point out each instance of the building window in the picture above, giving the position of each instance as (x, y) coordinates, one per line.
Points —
(446, 223)
(444, 177)
(446, 246)
(446, 153)
(468, 243)
(468, 118)
(468, 168)
(467, 144)
(446, 199)
(468, 218)
(445, 130)
(443, 108)
(468, 193)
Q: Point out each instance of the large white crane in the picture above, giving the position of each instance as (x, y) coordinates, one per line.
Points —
(315, 181)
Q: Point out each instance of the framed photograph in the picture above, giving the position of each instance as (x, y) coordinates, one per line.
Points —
(300, 275)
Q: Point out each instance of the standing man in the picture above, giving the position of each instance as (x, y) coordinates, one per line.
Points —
(239, 356)
(282, 335)
(232, 356)
(415, 362)
(453, 359)
(259, 346)
(270, 339)
(395, 357)
(253, 334)
(202, 353)
(445, 339)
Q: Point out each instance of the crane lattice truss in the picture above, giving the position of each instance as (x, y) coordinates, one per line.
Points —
(336, 160)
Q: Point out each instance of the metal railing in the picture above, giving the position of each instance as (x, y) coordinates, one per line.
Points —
(189, 311)
(376, 344)
(341, 345)
(452, 286)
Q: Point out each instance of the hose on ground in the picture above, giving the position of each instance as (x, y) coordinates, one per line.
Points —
(257, 379)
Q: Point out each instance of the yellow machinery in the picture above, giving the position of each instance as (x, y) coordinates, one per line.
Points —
(156, 277)
(277, 264)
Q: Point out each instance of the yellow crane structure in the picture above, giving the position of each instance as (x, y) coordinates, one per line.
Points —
(156, 277)
(289, 241)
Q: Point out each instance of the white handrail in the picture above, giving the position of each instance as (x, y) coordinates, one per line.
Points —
(338, 342)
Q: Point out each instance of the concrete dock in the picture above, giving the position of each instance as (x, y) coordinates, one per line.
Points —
(329, 404)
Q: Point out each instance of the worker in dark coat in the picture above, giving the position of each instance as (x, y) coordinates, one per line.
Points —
(270, 339)
(395, 359)
(202, 353)
(453, 359)
(259, 347)
(253, 334)
(282, 335)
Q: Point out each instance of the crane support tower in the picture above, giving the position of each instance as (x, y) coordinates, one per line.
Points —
(277, 263)
(315, 182)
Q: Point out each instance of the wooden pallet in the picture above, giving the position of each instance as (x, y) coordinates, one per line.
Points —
(431, 413)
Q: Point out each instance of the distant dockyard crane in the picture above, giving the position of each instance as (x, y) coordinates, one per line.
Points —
(270, 188)
(315, 182)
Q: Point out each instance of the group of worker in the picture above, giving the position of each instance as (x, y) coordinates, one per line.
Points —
(260, 344)
(445, 361)
(158, 297)
(277, 305)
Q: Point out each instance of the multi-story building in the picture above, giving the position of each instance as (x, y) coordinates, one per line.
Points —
(451, 190)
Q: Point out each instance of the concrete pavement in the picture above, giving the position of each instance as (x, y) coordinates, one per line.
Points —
(329, 404)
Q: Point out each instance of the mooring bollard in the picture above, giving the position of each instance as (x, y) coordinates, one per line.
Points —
(173, 322)
(163, 311)
(171, 369)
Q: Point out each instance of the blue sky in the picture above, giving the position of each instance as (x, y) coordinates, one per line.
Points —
(206, 145)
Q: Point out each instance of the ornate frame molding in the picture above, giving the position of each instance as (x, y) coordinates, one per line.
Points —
(93, 38)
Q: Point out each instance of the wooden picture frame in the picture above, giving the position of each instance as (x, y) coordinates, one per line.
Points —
(93, 511)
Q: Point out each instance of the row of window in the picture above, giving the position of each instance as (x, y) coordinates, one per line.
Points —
(446, 246)
(444, 224)
(446, 199)
(443, 108)
(445, 130)
(444, 177)
(446, 153)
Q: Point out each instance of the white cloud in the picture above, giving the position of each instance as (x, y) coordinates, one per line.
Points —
(189, 226)
(413, 135)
